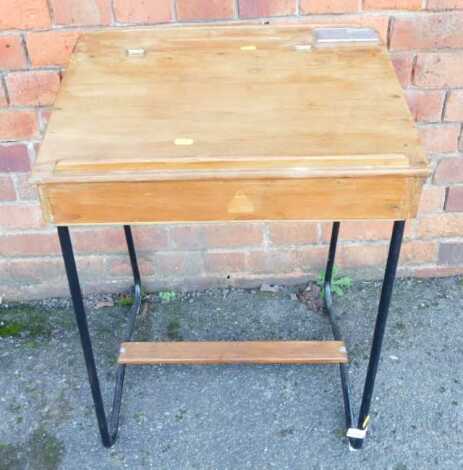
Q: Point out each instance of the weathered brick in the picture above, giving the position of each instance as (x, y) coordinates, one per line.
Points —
(439, 70)
(300, 260)
(293, 233)
(150, 238)
(232, 235)
(3, 98)
(14, 158)
(16, 125)
(119, 266)
(187, 237)
(432, 199)
(142, 11)
(177, 264)
(25, 190)
(392, 4)
(81, 12)
(29, 244)
(439, 30)
(50, 47)
(425, 105)
(440, 225)
(440, 138)
(12, 54)
(418, 252)
(360, 230)
(451, 253)
(257, 8)
(436, 271)
(7, 192)
(99, 240)
(454, 108)
(204, 9)
(24, 14)
(403, 64)
(449, 170)
(454, 200)
(33, 88)
(361, 256)
(225, 262)
(329, 6)
(18, 217)
(444, 4)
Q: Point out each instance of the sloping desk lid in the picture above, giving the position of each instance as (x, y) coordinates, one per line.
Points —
(219, 102)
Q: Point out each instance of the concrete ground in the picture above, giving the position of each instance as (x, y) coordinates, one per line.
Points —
(236, 417)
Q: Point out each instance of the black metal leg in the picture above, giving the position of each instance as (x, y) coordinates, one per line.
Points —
(328, 303)
(383, 310)
(357, 435)
(108, 431)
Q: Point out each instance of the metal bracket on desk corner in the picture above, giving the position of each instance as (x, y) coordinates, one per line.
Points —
(341, 36)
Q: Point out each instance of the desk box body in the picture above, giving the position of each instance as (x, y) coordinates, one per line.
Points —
(223, 123)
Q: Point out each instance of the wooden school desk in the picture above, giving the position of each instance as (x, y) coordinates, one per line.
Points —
(230, 123)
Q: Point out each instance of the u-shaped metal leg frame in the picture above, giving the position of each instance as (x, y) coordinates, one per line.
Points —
(108, 427)
(356, 435)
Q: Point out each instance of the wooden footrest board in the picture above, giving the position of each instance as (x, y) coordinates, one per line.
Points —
(233, 352)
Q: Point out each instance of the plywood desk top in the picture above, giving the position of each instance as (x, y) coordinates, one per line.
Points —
(246, 117)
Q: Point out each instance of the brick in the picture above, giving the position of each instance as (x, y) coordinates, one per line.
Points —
(225, 263)
(28, 244)
(361, 256)
(440, 138)
(370, 230)
(14, 158)
(7, 192)
(293, 233)
(425, 105)
(329, 6)
(257, 8)
(3, 98)
(16, 217)
(150, 238)
(418, 252)
(454, 200)
(24, 14)
(440, 225)
(50, 47)
(432, 199)
(99, 240)
(444, 5)
(439, 70)
(392, 4)
(403, 64)
(204, 9)
(32, 88)
(26, 191)
(30, 270)
(451, 253)
(17, 125)
(81, 12)
(232, 235)
(187, 237)
(299, 260)
(439, 30)
(436, 271)
(180, 265)
(120, 267)
(142, 11)
(12, 54)
(449, 170)
(454, 108)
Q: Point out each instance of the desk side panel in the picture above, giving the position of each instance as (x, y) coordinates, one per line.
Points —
(388, 197)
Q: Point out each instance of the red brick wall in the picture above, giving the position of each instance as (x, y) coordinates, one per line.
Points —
(425, 38)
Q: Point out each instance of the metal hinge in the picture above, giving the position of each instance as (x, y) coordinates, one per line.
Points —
(326, 37)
